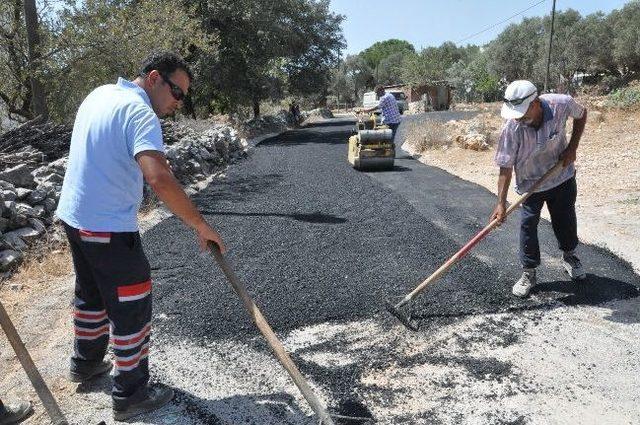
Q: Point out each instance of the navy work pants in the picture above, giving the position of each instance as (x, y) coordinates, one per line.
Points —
(112, 296)
(394, 130)
(561, 203)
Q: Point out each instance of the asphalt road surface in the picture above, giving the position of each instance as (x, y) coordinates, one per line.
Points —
(319, 245)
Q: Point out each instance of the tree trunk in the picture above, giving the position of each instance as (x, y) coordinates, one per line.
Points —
(33, 40)
(256, 108)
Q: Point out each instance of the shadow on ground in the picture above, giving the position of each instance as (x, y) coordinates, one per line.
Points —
(593, 290)
(315, 217)
(273, 408)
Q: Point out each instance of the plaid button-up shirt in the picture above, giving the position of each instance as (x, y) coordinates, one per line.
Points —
(533, 152)
(389, 107)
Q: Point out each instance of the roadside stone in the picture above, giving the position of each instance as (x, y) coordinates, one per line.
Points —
(36, 196)
(9, 210)
(22, 192)
(4, 224)
(14, 241)
(19, 175)
(7, 185)
(53, 178)
(9, 195)
(26, 210)
(39, 211)
(473, 141)
(26, 234)
(596, 116)
(47, 187)
(9, 258)
(18, 221)
(50, 205)
(37, 225)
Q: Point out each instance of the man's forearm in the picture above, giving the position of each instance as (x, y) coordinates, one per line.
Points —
(171, 193)
(504, 180)
(578, 128)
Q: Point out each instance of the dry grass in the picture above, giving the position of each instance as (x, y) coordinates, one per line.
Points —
(427, 135)
(48, 260)
(57, 263)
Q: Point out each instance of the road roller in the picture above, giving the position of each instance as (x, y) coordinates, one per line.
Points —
(371, 147)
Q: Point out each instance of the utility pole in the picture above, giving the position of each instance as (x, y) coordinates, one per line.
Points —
(553, 16)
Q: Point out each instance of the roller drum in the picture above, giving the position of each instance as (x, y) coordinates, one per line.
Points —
(385, 135)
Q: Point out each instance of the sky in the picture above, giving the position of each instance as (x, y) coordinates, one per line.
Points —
(426, 23)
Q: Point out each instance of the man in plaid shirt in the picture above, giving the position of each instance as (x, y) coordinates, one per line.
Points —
(532, 141)
(389, 107)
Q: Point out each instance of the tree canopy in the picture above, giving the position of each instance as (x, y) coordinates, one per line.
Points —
(243, 51)
(605, 46)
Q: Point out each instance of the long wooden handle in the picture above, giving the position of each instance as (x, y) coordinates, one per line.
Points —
(49, 403)
(272, 339)
(480, 235)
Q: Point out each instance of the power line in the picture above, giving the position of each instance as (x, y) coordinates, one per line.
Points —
(501, 22)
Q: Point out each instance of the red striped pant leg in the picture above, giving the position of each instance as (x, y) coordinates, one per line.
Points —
(124, 280)
(130, 338)
(91, 324)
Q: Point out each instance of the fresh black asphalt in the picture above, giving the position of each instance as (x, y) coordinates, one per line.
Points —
(316, 241)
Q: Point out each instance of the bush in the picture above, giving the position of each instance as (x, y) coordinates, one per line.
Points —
(427, 135)
(625, 97)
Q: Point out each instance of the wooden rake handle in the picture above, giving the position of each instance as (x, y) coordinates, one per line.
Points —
(481, 235)
(48, 401)
(271, 338)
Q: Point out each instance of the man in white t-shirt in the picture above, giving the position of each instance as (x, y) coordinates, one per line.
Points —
(116, 143)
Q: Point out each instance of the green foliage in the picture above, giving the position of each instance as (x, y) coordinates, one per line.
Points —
(432, 63)
(243, 51)
(351, 79)
(516, 49)
(626, 44)
(102, 40)
(390, 69)
(625, 97)
(268, 49)
(381, 50)
(593, 44)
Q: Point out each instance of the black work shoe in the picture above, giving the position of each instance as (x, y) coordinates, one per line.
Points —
(148, 400)
(87, 374)
(14, 414)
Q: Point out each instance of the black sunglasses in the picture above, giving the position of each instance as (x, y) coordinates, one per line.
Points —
(516, 102)
(176, 91)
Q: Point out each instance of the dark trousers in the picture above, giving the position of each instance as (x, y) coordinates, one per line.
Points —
(112, 295)
(394, 130)
(561, 203)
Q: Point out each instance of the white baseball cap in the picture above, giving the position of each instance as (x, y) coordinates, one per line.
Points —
(517, 98)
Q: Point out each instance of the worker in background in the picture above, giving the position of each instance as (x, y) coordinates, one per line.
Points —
(14, 414)
(294, 110)
(532, 141)
(116, 142)
(389, 107)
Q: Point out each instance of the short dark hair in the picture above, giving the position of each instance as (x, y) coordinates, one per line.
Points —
(378, 88)
(165, 62)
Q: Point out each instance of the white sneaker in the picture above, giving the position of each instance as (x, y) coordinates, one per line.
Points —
(573, 266)
(525, 283)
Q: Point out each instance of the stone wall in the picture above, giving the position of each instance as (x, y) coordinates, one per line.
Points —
(30, 190)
